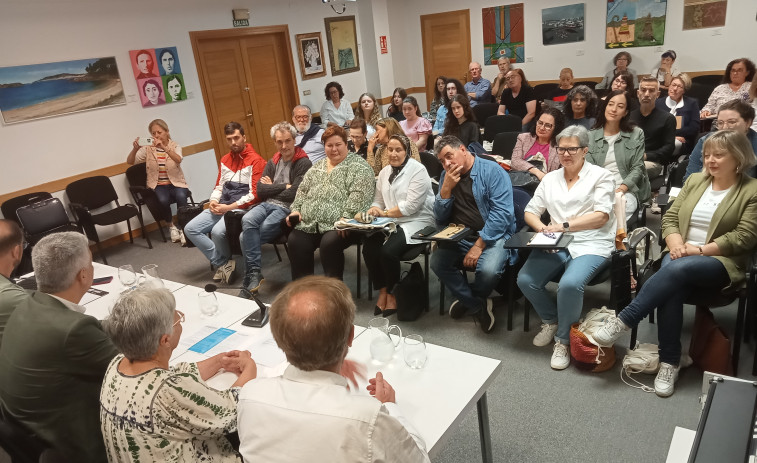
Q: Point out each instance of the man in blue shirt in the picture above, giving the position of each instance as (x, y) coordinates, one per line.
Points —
(476, 193)
(479, 89)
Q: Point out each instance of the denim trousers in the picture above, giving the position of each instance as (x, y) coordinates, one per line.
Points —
(261, 225)
(666, 291)
(215, 248)
(447, 261)
(168, 194)
(543, 267)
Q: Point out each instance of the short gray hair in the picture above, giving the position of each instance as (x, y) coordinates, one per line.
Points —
(445, 141)
(283, 127)
(303, 106)
(577, 131)
(138, 321)
(58, 258)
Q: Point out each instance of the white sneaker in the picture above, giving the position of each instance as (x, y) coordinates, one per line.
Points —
(608, 333)
(560, 357)
(175, 234)
(228, 271)
(219, 274)
(546, 334)
(664, 383)
(182, 238)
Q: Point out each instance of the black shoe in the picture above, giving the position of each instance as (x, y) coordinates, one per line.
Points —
(486, 317)
(457, 310)
(389, 312)
(251, 284)
(377, 310)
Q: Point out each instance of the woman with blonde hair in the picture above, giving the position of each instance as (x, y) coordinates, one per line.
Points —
(369, 111)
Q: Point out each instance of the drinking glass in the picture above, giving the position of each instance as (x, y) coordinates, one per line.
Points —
(152, 279)
(415, 351)
(208, 303)
(382, 346)
(127, 276)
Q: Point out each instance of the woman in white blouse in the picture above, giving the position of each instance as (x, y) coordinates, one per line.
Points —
(337, 110)
(710, 232)
(403, 193)
(579, 198)
(736, 81)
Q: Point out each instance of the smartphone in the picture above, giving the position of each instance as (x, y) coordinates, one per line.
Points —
(258, 318)
(145, 141)
(102, 281)
(294, 220)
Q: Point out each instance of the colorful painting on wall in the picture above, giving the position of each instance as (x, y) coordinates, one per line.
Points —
(158, 75)
(503, 33)
(700, 14)
(562, 24)
(635, 23)
(42, 90)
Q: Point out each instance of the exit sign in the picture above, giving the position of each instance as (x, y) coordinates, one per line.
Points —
(241, 22)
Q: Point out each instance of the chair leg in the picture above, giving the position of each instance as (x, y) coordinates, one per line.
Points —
(100, 251)
(510, 300)
(737, 334)
(144, 231)
(131, 236)
(286, 249)
(162, 233)
(359, 277)
(425, 274)
(526, 315)
(276, 248)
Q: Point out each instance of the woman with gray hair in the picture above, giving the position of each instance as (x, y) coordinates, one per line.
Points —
(150, 411)
(580, 107)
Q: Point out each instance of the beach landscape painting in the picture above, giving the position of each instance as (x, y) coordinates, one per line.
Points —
(43, 90)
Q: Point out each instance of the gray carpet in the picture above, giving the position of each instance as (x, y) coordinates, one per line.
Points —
(536, 414)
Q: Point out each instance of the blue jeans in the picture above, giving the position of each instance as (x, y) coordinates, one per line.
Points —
(666, 291)
(168, 194)
(215, 248)
(543, 267)
(259, 226)
(447, 261)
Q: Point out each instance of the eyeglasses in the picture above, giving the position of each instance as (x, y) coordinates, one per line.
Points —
(621, 59)
(738, 70)
(727, 124)
(181, 319)
(570, 150)
(301, 118)
(546, 125)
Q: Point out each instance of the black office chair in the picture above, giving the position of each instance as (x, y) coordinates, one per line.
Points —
(233, 221)
(9, 208)
(92, 193)
(504, 143)
(43, 218)
(499, 124)
(483, 111)
(589, 83)
(543, 91)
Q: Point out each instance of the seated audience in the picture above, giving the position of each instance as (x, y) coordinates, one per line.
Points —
(709, 234)
(377, 156)
(462, 124)
(499, 83)
(479, 90)
(236, 188)
(624, 82)
(276, 190)
(439, 90)
(308, 413)
(666, 70)
(621, 61)
(164, 175)
(150, 411)
(337, 110)
(11, 251)
(579, 199)
(566, 85)
(53, 357)
(358, 142)
(685, 109)
(476, 193)
(737, 78)
(416, 127)
(733, 115)
(580, 107)
(308, 135)
(534, 151)
(454, 87)
(395, 107)
(369, 111)
(618, 146)
(339, 186)
(753, 99)
(403, 193)
(659, 128)
(519, 98)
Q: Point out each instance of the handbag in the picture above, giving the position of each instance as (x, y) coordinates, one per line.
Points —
(710, 348)
(185, 214)
(524, 180)
(233, 190)
(410, 294)
(587, 355)
(644, 358)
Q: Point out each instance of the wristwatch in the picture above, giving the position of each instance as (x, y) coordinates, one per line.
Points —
(566, 226)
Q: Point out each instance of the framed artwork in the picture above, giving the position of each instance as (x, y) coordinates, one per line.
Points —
(310, 50)
(700, 14)
(341, 37)
(562, 24)
(504, 35)
(43, 90)
(635, 23)
(158, 75)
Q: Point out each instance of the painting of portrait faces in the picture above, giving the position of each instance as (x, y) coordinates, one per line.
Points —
(143, 63)
(168, 61)
(174, 87)
(151, 92)
(158, 75)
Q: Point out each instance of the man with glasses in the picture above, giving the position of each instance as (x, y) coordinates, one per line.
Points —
(11, 251)
(734, 115)
(479, 89)
(659, 127)
(308, 135)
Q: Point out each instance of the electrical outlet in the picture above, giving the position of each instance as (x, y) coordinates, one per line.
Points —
(530, 59)
(580, 52)
(306, 92)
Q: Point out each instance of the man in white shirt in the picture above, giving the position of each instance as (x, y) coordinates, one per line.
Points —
(308, 135)
(309, 413)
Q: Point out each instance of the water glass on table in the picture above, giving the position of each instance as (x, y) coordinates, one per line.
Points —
(208, 303)
(152, 279)
(127, 276)
(382, 345)
(414, 351)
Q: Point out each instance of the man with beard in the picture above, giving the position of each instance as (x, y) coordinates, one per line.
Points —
(308, 135)
(659, 127)
(11, 250)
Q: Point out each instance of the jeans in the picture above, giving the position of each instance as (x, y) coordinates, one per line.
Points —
(168, 194)
(447, 261)
(383, 257)
(541, 268)
(302, 246)
(215, 248)
(666, 291)
(262, 224)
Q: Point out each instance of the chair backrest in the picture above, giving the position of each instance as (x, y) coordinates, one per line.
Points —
(42, 218)
(10, 207)
(700, 92)
(589, 83)
(677, 173)
(92, 192)
(136, 175)
(498, 124)
(520, 201)
(708, 80)
(432, 164)
(483, 111)
(542, 91)
(504, 143)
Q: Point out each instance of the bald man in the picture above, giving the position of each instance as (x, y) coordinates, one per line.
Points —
(479, 89)
(11, 250)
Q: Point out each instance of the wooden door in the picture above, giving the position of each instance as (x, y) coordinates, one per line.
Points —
(246, 76)
(446, 47)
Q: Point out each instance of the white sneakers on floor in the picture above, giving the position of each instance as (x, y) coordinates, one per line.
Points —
(560, 356)
(545, 336)
(664, 383)
(175, 234)
(608, 333)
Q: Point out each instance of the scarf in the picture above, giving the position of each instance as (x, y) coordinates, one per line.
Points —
(398, 169)
(309, 133)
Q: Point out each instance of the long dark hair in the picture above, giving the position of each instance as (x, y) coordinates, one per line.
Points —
(393, 108)
(559, 122)
(625, 123)
(589, 96)
(440, 95)
(458, 85)
(451, 125)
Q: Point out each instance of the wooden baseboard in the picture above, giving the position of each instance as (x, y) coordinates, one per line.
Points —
(137, 232)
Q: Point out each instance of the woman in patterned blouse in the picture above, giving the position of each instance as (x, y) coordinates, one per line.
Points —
(341, 185)
(150, 411)
(736, 80)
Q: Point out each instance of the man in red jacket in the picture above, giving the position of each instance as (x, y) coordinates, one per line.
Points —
(236, 188)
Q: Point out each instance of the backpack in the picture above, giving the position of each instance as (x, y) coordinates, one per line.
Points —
(411, 295)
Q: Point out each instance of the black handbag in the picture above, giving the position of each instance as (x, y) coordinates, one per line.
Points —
(524, 180)
(411, 294)
(185, 214)
(233, 190)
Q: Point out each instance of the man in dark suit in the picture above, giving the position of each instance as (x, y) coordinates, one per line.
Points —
(11, 250)
(53, 356)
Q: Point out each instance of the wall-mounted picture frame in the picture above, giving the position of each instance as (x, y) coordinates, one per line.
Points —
(341, 37)
(310, 50)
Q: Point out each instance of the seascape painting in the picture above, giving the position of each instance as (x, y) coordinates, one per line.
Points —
(51, 89)
(562, 24)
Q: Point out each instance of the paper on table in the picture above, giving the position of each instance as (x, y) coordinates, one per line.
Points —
(263, 349)
(541, 239)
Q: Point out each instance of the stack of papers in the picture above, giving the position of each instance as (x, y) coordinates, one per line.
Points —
(545, 239)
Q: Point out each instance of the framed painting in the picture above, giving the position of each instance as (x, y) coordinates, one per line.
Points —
(504, 33)
(310, 50)
(341, 36)
(635, 23)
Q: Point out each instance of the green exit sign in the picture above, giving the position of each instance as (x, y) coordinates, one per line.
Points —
(241, 22)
